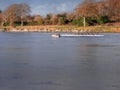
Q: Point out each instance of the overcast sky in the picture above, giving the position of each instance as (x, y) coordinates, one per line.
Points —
(44, 7)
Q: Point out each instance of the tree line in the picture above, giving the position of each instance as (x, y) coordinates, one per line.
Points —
(88, 12)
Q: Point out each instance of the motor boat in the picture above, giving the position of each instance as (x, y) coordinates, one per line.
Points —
(55, 35)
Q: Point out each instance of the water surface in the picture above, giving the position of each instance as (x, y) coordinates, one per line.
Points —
(35, 61)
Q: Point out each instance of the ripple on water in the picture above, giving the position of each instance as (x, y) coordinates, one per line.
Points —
(96, 45)
(46, 83)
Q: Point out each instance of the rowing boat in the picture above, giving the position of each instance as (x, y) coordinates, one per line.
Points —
(81, 35)
(76, 35)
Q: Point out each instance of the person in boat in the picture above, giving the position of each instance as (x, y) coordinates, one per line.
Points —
(56, 35)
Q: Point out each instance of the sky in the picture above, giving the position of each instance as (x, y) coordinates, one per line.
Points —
(43, 7)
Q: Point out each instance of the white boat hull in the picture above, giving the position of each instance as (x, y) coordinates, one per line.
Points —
(84, 35)
(55, 35)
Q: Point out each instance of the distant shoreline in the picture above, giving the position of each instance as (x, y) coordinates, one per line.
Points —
(61, 28)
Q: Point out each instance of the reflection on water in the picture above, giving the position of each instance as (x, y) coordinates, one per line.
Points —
(35, 61)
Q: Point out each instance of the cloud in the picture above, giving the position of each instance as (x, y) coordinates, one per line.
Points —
(41, 9)
(62, 7)
(66, 7)
(44, 9)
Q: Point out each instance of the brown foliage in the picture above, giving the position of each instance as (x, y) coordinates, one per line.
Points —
(11, 13)
(114, 9)
(86, 9)
(54, 19)
(110, 8)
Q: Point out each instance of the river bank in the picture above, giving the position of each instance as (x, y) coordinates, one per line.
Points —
(61, 28)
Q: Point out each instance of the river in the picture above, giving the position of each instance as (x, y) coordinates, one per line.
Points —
(36, 61)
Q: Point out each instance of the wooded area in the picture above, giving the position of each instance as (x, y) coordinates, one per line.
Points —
(87, 13)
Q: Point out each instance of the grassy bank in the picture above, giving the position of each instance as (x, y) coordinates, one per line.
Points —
(63, 28)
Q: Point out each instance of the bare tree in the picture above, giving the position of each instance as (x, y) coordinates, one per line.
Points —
(54, 19)
(24, 10)
(15, 10)
(98, 9)
(9, 14)
(86, 9)
(114, 9)
(70, 16)
(29, 19)
(38, 19)
(47, 19)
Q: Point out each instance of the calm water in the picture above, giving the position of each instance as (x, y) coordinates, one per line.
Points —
(35, 61)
